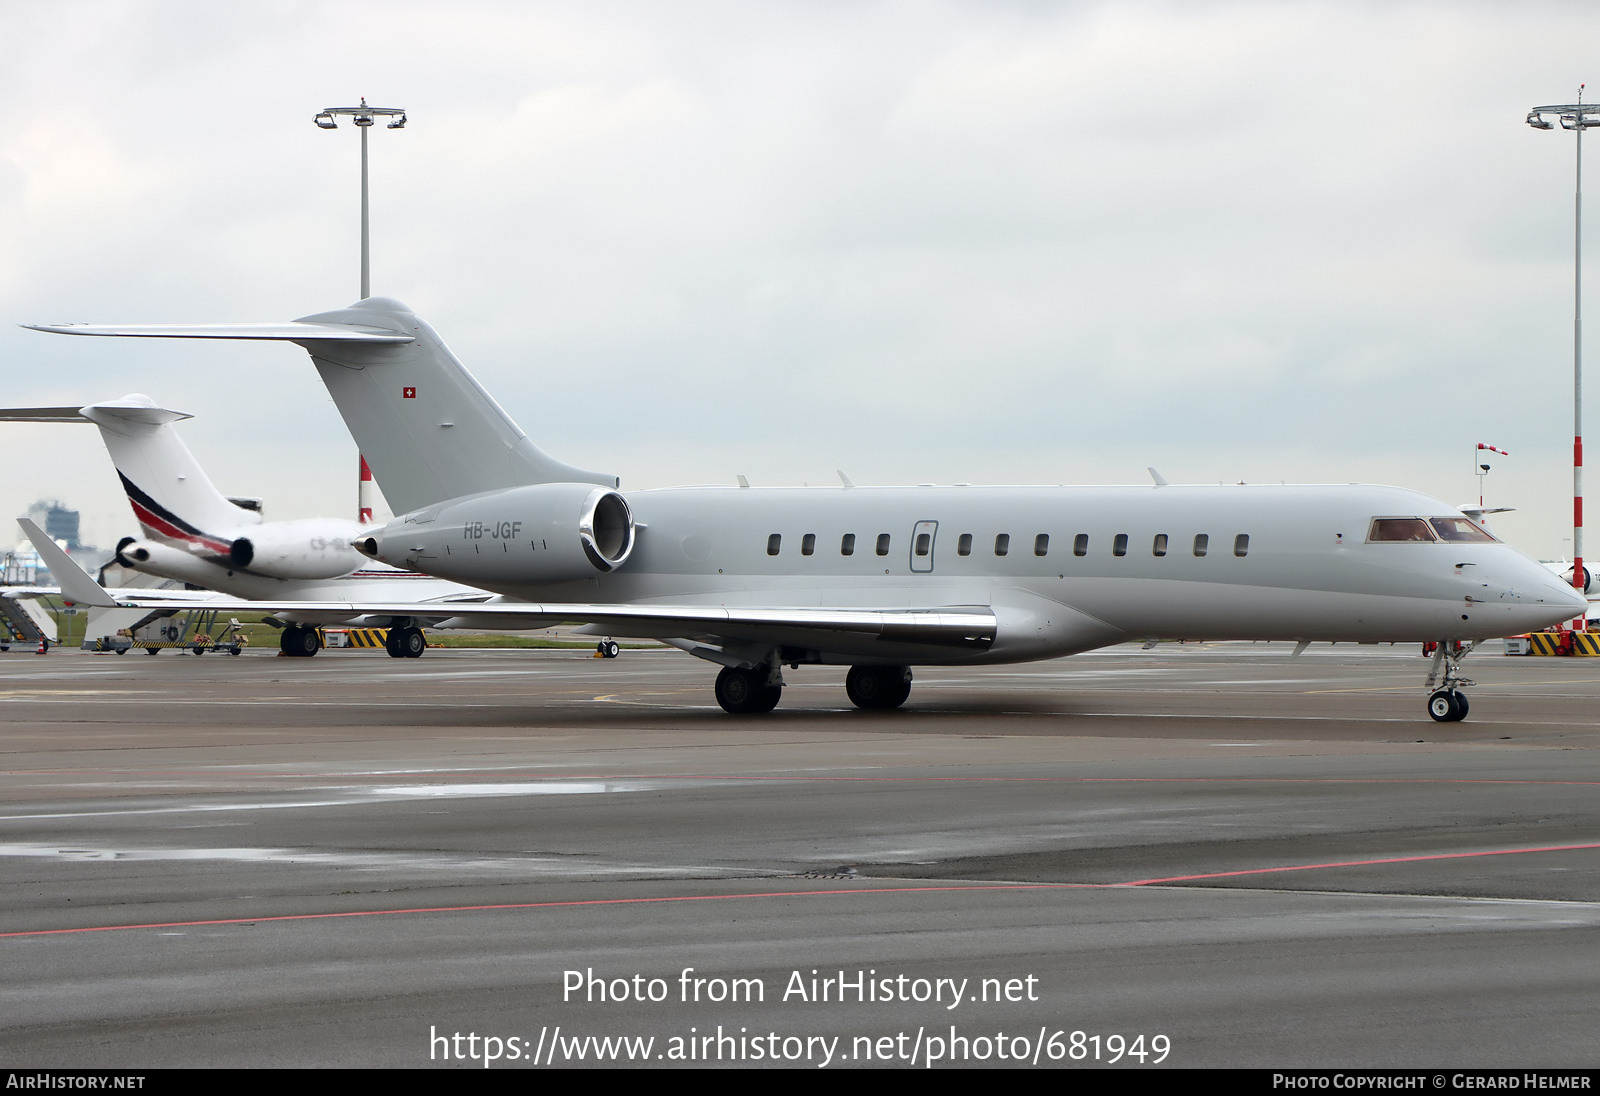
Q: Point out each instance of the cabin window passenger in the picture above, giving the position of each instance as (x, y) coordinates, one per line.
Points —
(847, 546)
(1041, 544)
(924, 542)
(964, 545)
(1201, 540)
(773, 543)
(808, 544)
(1119, 544)
(1159, 548)
(1080, 544)
(1002, 544)
(1241, 545)
(883, 544)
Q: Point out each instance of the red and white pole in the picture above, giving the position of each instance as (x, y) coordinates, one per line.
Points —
(364, 495)
(1577, 368)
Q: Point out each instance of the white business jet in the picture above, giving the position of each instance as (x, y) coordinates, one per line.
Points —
(882, 579)
(196, 535)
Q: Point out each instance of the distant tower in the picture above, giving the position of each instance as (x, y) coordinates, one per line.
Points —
(59, 523)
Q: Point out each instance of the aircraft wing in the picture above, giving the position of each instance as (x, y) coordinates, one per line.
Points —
(20, 593)
(962, 627)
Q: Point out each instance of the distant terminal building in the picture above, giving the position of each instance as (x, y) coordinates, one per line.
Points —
(59, 523)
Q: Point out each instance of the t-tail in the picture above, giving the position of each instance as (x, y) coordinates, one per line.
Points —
(173, 499)
(424, 424)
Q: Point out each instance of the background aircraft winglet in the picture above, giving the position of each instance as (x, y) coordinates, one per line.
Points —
(77, 585)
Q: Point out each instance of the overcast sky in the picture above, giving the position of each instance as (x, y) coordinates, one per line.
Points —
(923, 241)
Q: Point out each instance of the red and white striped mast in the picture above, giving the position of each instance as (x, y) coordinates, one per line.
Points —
(363, 116)
(1576, 117)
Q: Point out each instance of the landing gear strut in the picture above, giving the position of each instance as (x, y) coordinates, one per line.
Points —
(1446, 702)
(878, 687)
(744, 692)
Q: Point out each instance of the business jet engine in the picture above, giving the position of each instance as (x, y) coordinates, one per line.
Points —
(542, 533)
(1588, 579)
(311, 549)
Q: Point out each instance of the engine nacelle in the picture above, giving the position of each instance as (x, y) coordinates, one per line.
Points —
(309, 549)
(539, 534)
(151, 557)
(1588, 579)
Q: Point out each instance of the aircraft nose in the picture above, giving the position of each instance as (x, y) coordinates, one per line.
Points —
(1546, 589)
(1577, 604)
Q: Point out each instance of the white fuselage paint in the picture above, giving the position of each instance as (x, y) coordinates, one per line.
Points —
(1309, 572)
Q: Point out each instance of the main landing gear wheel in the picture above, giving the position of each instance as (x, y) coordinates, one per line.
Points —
(878, 687)
(405, 642)
(1448, 706)
(744, 692)
(299, 641)
(607, 648)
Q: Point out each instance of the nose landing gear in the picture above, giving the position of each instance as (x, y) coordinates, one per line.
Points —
(1446, 702)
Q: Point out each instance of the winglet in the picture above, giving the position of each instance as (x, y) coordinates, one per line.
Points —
(844, 479)
(76, 584)
(1160, 481)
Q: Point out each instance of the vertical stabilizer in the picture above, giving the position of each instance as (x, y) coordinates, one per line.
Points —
(425, 424)
(171, 495)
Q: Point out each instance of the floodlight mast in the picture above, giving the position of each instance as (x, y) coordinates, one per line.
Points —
(363, 116)
(1577, 117)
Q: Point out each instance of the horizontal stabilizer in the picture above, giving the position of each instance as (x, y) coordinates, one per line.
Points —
(288, 330)
(132, 408)
(42, 414)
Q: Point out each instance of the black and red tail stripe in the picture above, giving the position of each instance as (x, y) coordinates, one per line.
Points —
(158, 521)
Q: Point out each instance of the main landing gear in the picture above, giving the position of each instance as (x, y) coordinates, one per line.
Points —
(1446, 702)
(297, 641)
(747, 692)
(405, 642)
(878, 687)
(743, 692)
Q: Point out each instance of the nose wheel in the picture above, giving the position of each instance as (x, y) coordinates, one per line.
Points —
(1447, 705)
(1446, 702)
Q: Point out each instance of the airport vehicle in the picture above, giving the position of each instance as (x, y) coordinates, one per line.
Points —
(196, 535)
(882, 579)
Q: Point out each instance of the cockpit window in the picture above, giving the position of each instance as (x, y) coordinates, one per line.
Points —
(1400, 530)
(1460, 530)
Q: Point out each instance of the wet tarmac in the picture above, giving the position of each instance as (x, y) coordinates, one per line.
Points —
(1238, 856)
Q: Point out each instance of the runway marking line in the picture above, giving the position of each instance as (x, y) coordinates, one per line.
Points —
(559, 905)
(1355, 864)
(987, 887)
(458, 775)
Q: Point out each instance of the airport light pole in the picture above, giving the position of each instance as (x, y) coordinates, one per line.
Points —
(363, 116)
(1577, 117)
